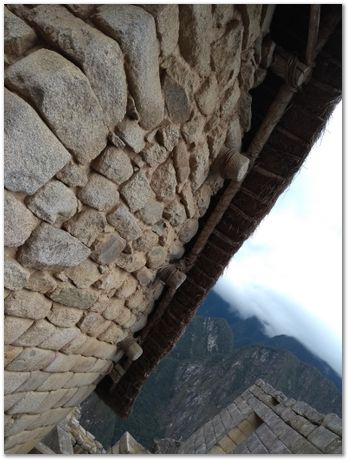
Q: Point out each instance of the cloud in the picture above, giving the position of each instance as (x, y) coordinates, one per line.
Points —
(289, 273)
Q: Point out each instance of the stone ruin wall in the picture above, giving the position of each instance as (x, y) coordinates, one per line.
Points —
(114, 116)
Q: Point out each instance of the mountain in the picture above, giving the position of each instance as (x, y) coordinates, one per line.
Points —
(204, 373)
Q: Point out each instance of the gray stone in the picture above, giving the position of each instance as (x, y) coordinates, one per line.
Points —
(99, 56)
(87, 225)
(246, 76)
(188, 230)
(151, 212)
(175, 213)
(18, 222)
(156, 257)
(73, 175)
(41, 282)
(70, 110)
(15, 276)
(168, 136)
(27, 304)
(147, 240)
(251, 17)
(195, 35)
(322, 438)
(55, 203)
(333, 423)
(216, 138)
(181, 159)
(13, 380)
(188, 199)
(18, 36)
(137, 191)
(114, 164)
(31, 359)
(167, 22)
(107, 248)
(14, 328)
(226, 54)
(50, 247)
(177, 101)
(208, 95)
(192, 131)
(132, 134)
(64, 316)
(99, 193)
(163, 182)
(135, 31)
(36, 334)
(178, 69)
(71, 296)
(125, 223)
(111, 280)
(81, 10)
(32, 153)
(199, 165)
(154, 154)
(84, 275)
(131, 262)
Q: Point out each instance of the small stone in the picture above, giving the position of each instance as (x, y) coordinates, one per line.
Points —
(41, 282)
(156, 257)
(81, 10)
(137, 191)
(114, 309)
(18, 36)
(11, 352)
(73, 175)
(188, 199)
(14, 328)
(202, 197)
(193, 129)
(246, 76)
(333, 423)
(188, 230)
(135, 31)
(175, 213)
(233, 139)
(111, 280)
(107, 249)
(99, 193)
(32, 153)
(84, 275)
(195, 35)
(125, 223)
(168, 136)
(92, 324)
(251, 17)
(164, 182)
(19, 222)
(177, 101)
(64, 316)
(176, 251)
(50, 247)
(208, 95)
(179, 70)
(136, 301)
(114, 164)
(15, 276)
(114, 334)
(70, 110)
(151, 212)
(181, 162)
(131, 133)
(229, 104)
(222, 15)
(245, 111)
(154, 154)
(86, 226)
(54, 203)
(27, 304)
(13, 380)
(199, 165)
(216, 138)
(145, 276)
(146, 241)
(71, 296)
(131, 262)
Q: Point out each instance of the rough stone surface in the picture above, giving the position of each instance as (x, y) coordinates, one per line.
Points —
(188, 230)
(156, 257)
(125, 223)
(84, 275)
(99, 56)
(163, 182)
(15, 276)
(146, 241)
(41, 282)
(168, 136)
(199, 162)
(114, 164)
(131, 262)
(64, 316)
(181, 162)
(175, 213)
(36, 334)
(111, 280)
(145, 276)
(177, 101)
(53, 203)
(99, 193)
(27, 304)
(87, 225)
(154, 154)
(135, 31)
(108, 248)
(32, 153)
(70, 110)
(14, 328)
(188, 199)
(73, 297)
(18, 36)
(73, 175)
(113, 334)
(132, 134)
(251, 16)
(151, 212)
(50, 247)
(208, 95)
(18, 221)
(137, 191)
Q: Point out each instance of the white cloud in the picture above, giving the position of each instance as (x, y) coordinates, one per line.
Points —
(289, 272)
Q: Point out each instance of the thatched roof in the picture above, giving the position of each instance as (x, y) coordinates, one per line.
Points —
(272, 171)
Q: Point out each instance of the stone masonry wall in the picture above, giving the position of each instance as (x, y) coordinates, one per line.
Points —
(114, 115)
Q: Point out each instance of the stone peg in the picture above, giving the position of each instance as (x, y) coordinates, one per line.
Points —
(233, 166)
(131, 348)
(172, 276)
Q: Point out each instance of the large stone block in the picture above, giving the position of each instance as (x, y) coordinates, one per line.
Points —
(64, 316)
(177, 101)
(36, 334)
(99, 57)
(199, 162)
(73, 175)
(60, 337)
(125, 223)
(18, 36)
(27, 304)
(164, 182)
(13, 380)
(71, 296)
(41, 282)
(31, 359)
(99, 193)
(137, 191)
(70, 110)
(84, 275)
(50, 247)
(114, 164)
(19, 222)
(87, 225)
(135, 31)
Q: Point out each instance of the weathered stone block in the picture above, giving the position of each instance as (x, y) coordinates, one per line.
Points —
(86, 226)
(62, 363)
(208, 95)
(13, 380)
(15, 276)
(93, 324)
(125, 223)
(251, 16)
(75, 345)
(131, 134)
(71, 109)
(333, 423)
(114, 164)
(60, 337)
(137, 191)
(177, 101)
(131, 262)
(10, 353)
(154, 154)
(19, 222)
(27, 304)
(322, 438)
(175, 213)
(84, 275)
(136, 301)
(94, 347)
(188, 199)
(192, 131)
(111, 280)
(79, 396)
(99, 193)
(168, 136)
(44, 249)
(128, 287)
(31, 359)
(36, 334)
(108, 248)
(64, 316)
(34, 381)
(53, 203)
(83, 365)
(18, 36)
(113, 334)
(41, 282)
(164, 182)
(73, 175)
(151, 212)
(199, 165)
(145, 276)
(71, 296)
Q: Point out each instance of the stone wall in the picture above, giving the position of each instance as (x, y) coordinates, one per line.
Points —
(114, 117)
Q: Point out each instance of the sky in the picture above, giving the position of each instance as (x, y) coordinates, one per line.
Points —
(289, 272)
